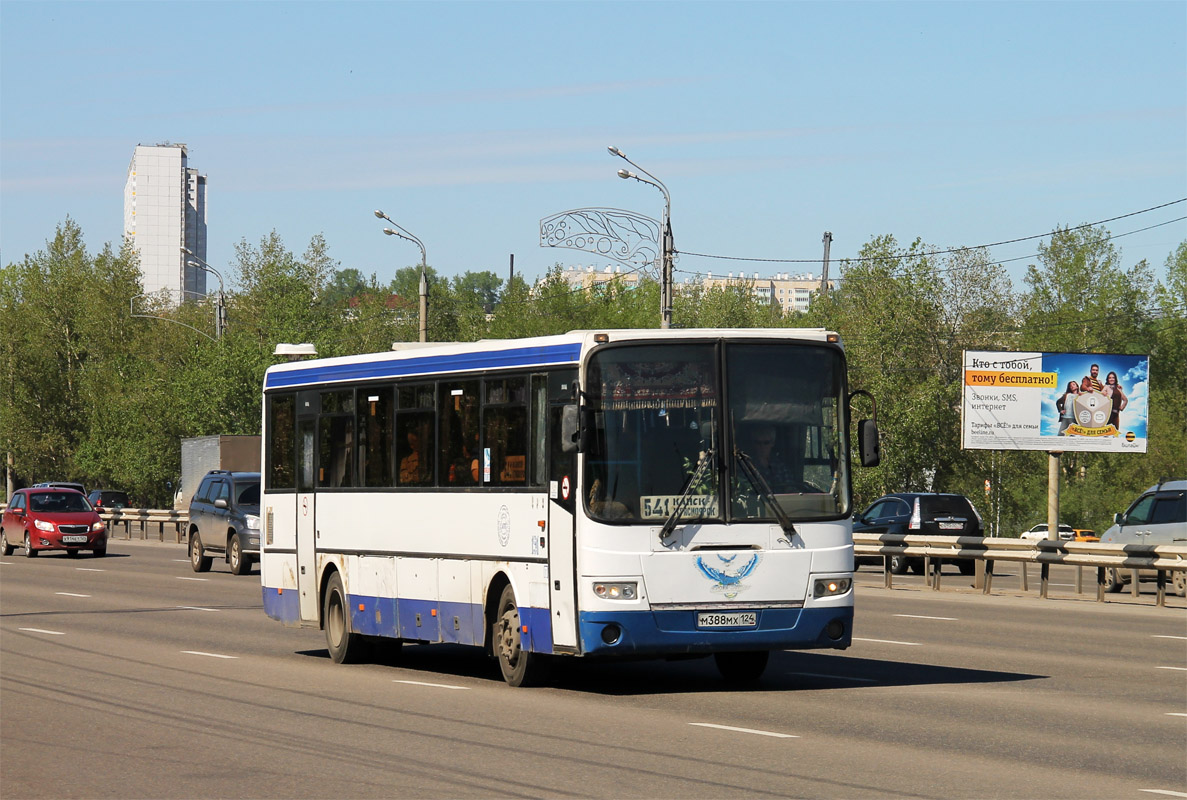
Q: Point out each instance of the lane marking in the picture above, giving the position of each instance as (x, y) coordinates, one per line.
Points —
(1180, 669)
(434, 685)
(209, 655)
(888, 641)
(1165, 792)
(180, 578)
(1176, 714)
(833, 677)
(181, 561)
(198, 608)
(42, 630)
(743, 730)
(918, 616)
(71, 594)
(1164, 636)
(89, 569)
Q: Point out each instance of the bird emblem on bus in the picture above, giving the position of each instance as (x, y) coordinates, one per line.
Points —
(729, 581)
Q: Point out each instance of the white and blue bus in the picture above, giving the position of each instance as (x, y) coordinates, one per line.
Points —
(619, 493)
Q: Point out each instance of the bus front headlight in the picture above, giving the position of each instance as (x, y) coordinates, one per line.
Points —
(616, 591)
(831, 587)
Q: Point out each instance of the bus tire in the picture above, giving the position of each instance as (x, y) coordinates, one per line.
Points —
(345, 646)
(519, 666)
(745, 667)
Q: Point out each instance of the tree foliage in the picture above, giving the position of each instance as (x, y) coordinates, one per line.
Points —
(92, 391)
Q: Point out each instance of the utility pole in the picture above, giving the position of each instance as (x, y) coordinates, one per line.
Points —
(828, 240)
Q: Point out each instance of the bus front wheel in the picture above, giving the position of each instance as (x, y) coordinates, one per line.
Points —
(519, 666)
(345, 646)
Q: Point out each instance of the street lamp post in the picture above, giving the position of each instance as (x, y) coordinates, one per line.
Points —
(668, 248)
(220, 307)
(424, 280)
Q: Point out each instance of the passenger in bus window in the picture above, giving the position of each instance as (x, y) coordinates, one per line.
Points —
(760, 442)
(415, 466)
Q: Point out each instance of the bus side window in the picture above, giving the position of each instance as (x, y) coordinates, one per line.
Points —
(460, 463)
(414, 448)
(282, 445)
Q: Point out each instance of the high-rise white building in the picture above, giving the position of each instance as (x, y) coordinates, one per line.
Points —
(164, 211)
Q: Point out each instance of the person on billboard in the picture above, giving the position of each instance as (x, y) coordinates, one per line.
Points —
(1117, 395)
(1066, 406)
(1091, 381)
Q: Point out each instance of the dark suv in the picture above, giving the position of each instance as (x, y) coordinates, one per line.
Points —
(225, 520)
(922, 513)
(108, 498)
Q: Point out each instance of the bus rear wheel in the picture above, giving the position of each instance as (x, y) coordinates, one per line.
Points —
(345, 646)
(519, 666)
(744, 667)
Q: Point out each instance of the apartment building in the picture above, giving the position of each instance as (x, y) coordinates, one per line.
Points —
(164, 211)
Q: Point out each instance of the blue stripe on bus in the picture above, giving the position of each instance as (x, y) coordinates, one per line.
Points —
(283, 606)
(426, 365)
(669, 632)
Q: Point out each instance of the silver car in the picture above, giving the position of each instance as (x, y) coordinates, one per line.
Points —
(1158, 516)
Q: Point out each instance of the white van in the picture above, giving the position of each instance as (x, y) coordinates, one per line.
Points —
(1158, 516)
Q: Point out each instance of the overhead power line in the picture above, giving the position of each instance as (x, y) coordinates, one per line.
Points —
(934, 252)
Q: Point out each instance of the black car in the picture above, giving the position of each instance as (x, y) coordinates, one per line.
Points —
(108, 498)
(924, 513)
(225, 520)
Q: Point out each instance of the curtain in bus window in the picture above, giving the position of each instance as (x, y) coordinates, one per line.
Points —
(336, 440)
(282, 444)
(375, 423)
(459, 464)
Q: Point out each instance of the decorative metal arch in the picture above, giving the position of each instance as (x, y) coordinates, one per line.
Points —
(624, 236)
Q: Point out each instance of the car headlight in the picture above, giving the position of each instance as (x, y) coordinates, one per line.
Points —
(830, 587)
(42, 525)
(253, 522)
(616, 591)
(98, 526)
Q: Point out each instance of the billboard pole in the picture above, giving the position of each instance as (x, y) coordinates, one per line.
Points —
(1052, 509)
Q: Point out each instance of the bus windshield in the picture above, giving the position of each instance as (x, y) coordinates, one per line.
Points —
(716, 432)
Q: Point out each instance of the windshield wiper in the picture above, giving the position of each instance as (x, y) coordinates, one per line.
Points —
(682, 500)
(764, 491)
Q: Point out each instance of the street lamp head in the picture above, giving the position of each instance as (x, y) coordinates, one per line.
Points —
(614, 151)
(378, 213)
(624, 174)
(390, 232)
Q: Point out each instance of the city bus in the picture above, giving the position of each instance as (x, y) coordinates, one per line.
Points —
(595, 494)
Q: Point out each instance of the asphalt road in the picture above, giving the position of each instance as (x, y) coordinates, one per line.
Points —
(130, 677)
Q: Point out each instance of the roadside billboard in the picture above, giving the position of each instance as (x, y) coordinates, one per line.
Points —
(1086, 402)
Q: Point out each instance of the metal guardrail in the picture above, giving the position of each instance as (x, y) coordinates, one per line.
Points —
(934, 550)
(144, 517)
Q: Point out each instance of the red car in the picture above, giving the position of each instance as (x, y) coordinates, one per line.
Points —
(51, 519)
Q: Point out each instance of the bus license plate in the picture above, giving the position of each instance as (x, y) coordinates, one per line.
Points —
(730, 619)
(74, 540)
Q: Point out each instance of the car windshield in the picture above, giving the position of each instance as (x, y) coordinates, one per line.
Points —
(663, 439)
(247, 493)
(57, 502)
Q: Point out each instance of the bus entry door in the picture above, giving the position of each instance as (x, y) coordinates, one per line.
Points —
(306, 519)
(562, 546)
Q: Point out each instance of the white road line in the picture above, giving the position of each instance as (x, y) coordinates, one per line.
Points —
(181, 560)
(434, 685)
(198, 608)
(887, 641)
(917, 616)
(1176, 714)
(210, 655)
(89, 569)
(40, 630)
(1180, 669)
(832, 677)
(180, 578)
(1164, 636)
(71, 594)
(744, 730)
(1165, 792)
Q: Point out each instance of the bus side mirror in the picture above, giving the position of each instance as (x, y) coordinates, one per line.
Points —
(570, 428)
(867, 439)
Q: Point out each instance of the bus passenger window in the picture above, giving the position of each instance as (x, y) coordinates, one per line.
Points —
(458, 445)
(505, 438)
(414, 449)
(374, 422)
(282, 444)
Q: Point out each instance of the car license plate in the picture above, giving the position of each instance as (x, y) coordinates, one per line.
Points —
(727, 619)
(951, 526)
(74, 540)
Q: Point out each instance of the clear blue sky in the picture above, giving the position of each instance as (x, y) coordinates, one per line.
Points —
(958, 123)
